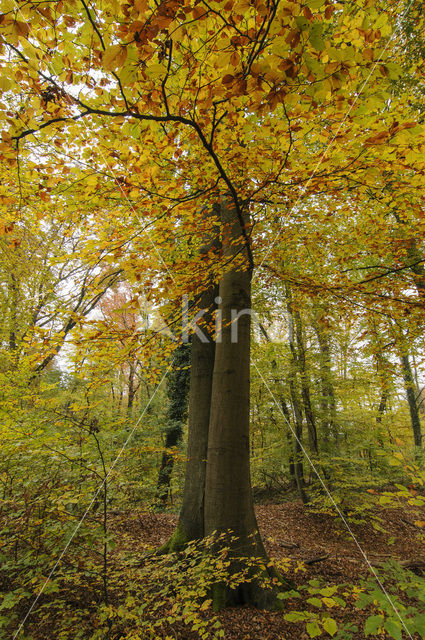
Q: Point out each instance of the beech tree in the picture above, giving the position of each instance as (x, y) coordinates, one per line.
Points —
(238, 106)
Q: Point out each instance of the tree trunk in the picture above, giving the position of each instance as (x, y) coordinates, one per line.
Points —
(410, 387)
(411, 399)
(229, 505)
(415, 259)
(289, 440)
(298, 419)
(177, 391)
(289, 435)
(305, 386)
(131, 389)
(382, 404)
(217, 496)
(191, 519)
(328, 402)
(228, 502)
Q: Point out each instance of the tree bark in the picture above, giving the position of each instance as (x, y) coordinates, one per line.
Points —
(217, 497)
(177, 391)
(328, 402)
(229, 505)
(191, 519)
(415, 259)
(411, 399)
(131, 389)
(305, 386)
(228, 498)
(298, 418)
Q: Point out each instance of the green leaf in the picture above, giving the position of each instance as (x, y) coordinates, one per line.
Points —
(296, 616)
(394, 70)
(419, 623)
(302, 23)
(315, 4)
(155, 71)
(315, 602)
(314, 66)
(373, 623)
(314, 583)
(315, 37)
(5, 83)
(393, 627)
(313, 629)
(363, 600)
(9, 601)
(330, 626)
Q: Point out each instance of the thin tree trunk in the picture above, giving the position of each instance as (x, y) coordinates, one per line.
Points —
(305, 385)
(287, 415)
(382, 404)
(383, 375)
(298, 456)
(414, 256)
(411, 399)
(289, 438)
(131, 392)
(13, 298)
(298, 419)
(410, 387)
(328, 402)
(415, 259)
(177, 391)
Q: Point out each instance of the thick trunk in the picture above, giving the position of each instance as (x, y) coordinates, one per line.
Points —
(228, 502)
(191, 519)
(228, 496)
(217, 496)
(229, 505)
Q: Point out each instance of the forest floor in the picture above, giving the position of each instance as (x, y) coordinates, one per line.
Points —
(321, 541)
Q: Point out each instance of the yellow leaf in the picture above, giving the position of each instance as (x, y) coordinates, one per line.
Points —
(5, 83)
(155, 70)
(114, 57)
